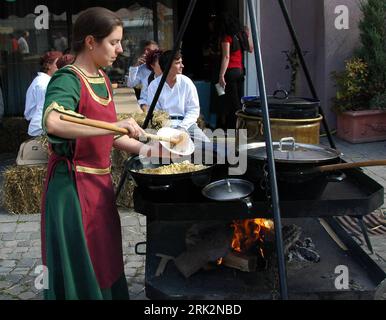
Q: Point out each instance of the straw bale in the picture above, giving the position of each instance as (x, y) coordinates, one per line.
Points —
(160, 118)
(23, 188)
(125, 197)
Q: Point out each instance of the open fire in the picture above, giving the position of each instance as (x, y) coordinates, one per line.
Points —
(249, 232)
(248, 244)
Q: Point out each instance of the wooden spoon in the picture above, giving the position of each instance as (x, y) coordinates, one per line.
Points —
(108, 126)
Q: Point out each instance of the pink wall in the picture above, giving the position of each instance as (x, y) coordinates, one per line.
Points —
(327, 47)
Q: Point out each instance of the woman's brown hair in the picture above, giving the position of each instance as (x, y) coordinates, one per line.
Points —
(47, 59)
(96, 21)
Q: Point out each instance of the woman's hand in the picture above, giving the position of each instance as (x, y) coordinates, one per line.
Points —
(141, 60)
(221, 81)
(132, 126)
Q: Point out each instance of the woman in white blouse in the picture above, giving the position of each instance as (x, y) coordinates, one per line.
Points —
(37, 91)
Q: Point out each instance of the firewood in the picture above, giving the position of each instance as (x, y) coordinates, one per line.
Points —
(240, 261)
(291, 234)
(211, 248)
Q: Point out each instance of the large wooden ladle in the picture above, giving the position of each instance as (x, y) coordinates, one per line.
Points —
(108, 126)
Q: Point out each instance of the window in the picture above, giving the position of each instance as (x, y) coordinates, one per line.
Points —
(19, 55)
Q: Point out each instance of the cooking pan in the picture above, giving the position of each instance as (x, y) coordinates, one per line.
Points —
(178, 182)
(230, 190)
(302, 169)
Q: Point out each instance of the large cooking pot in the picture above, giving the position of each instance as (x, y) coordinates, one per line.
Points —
(294, 163)
(179, 182)
(282, 106)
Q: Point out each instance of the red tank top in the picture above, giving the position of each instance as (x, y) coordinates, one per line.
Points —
(235, 57)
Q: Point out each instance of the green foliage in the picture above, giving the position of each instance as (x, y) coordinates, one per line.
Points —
(362, 85)
(351, 86)
(373, 43)
(378, 101)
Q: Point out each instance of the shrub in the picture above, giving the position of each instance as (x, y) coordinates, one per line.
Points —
(351, 86)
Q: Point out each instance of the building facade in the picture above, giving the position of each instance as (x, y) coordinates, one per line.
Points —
(49, 24)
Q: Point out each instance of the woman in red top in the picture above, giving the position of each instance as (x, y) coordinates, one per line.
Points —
(231, 77)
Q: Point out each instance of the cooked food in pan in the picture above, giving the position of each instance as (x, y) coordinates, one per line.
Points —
(182, 167)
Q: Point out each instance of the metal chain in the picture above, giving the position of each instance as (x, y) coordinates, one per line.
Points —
(265, 185)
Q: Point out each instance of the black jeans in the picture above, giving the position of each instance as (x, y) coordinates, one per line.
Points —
(234, 79)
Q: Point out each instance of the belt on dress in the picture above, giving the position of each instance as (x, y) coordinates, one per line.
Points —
(176, 118)
(93, 170)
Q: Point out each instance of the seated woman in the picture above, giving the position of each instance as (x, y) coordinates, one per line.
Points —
(178, 97)
(36, 92)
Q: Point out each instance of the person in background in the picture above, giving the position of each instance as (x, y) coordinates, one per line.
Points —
(23, 44)
(234, 41)
(81, 230)
(152, 64)
(139, 73)
(36, 92)
(178, 97)
(60, 43)
(65, 60)
(14, 43)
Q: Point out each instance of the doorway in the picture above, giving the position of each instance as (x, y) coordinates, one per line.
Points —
(198, 34)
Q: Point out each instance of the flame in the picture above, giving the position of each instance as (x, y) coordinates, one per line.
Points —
(248, 232)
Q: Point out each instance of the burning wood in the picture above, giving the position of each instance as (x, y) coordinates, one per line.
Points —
(246, 246)
(240, 261)
(249, 232)
(205, 243)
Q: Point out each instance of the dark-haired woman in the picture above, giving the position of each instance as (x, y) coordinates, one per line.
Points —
(152, 64)
(81, 231)
(234, 41)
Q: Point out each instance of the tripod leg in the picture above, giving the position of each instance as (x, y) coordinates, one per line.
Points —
(122, 180)
(365, 234)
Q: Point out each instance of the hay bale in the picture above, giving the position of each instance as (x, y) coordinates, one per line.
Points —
(23, 188)
(125, 197)
(160, 118)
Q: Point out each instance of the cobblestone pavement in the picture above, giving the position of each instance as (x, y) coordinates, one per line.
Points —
(20, 237)
(20, 254)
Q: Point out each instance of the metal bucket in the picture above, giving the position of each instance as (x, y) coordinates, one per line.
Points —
(303, 130)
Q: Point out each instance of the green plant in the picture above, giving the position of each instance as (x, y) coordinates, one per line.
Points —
(351, 86)
(373, 44)
(362, 85)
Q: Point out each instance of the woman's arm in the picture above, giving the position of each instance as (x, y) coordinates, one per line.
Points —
(129, 145)
(250, 42)
(225, 55)
(68, 130)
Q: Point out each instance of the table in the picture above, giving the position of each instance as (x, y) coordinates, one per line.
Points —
(125, 100)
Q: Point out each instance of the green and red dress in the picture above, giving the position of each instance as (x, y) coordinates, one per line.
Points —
(81, 231)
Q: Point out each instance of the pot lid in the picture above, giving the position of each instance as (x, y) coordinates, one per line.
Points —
(228, 189)
(287, 150)
(281, 98)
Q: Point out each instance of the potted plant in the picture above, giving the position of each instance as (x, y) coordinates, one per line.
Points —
(360, 101)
